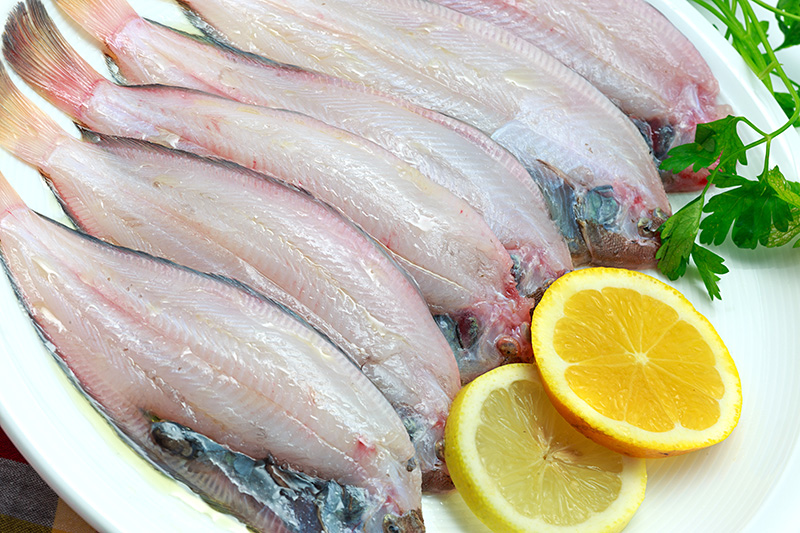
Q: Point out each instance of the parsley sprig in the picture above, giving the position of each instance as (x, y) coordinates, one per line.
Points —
(763, 211)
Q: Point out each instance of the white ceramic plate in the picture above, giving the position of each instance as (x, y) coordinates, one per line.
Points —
(750, 482)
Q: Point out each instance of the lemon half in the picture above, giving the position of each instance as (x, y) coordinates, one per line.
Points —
(521, 467)
(631, 363)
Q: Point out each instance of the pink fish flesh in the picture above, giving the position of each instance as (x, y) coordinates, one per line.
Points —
(451, 153)
(220, 218)
(462, 269)
(146, 338)
(631, 53)
(528, 102)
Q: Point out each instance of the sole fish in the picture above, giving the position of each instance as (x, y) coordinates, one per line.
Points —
(146, 338)
(449, 152)
(221, 218)
(631, 53)
(462, 269)
(525, 99)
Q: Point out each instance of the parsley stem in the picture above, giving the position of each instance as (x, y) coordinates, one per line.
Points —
(779, 12)
(778, 69)
(740, 35)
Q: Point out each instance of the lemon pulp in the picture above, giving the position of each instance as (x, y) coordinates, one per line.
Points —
(521, 467)
(631, 363)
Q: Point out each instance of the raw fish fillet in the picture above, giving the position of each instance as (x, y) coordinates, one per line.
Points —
(462, 269)
(451, 153)
(607, 191)
(631, 53)
(147, 339)
(221, 218)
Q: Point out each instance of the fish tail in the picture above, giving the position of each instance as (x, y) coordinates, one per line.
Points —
(9, 199)
(101, 18)
(42, 57)
(25, 131)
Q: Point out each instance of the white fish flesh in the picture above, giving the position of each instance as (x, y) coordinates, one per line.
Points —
(529, 102)
(462, 269)
(221, 218)
(147, 339)
(631, 53)
(451, 153)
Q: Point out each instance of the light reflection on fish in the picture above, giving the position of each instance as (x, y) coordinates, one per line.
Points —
(221, 218)
(145, 337)
(451, 153)
(631, 53)
(525, 99)
(462, 269)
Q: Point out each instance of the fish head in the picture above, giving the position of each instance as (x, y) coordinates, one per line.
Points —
(489, 334)
(437, 479)
(409, 522)
(427, 436)
(561, 199)
(619, 229)
(609, 225)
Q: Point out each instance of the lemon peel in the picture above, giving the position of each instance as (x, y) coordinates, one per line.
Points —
(633, 365)
(520, 467)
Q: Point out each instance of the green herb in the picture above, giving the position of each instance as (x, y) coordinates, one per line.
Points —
(762, 211)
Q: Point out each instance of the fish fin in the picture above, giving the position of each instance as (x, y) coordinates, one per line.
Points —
(42, 57)
(264, 493)
(25, 130)
(203, 26)
(561, 199)
(101, 18)
(9, 199)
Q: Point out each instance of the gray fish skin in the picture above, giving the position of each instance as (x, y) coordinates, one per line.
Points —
(141, 334)
(449, 152)
(525, 99)
(631, 53)
(221, 218)
(276, 497)
(461, 268)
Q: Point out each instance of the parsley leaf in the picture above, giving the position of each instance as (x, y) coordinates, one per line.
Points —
(711, 141)
(787, 104)
(788, 191)
(749, 210)
(790, 27)
(678, 234)
(781, 238)
(763, 211)
(711, 267)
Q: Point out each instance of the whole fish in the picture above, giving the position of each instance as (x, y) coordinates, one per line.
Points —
(149, 340)
(462, 269)
(631, 53)
(606, 188)
(451, 153)
(221, 218)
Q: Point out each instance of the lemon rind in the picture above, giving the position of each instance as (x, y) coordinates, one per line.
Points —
(477, 487)
(631, 440)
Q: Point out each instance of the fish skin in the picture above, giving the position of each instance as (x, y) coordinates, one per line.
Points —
(221, 218)
(265, 485)
(141, 334)
(451, 153)
(631, 53)
(437, 58)
(460, 266)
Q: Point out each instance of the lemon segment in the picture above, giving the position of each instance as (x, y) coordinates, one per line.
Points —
(521, 467)
(629, 362)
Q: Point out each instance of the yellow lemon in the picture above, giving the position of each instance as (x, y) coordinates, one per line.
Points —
(632, 365)
(521, 467)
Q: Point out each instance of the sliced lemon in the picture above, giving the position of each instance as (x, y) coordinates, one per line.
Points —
(521, 467)
(632, 365)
